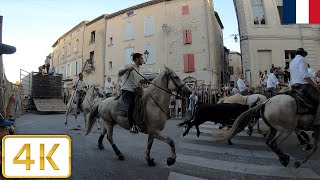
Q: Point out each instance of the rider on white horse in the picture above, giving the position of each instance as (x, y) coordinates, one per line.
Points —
(301, 79)
(272, 83)
(78, 85)
(131, 80)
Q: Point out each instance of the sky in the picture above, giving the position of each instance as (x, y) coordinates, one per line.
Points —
(32, 26)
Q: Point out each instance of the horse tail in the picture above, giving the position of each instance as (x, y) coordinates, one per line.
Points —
(92, 118)
(240, 123)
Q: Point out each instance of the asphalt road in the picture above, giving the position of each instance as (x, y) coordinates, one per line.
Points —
(197, 158)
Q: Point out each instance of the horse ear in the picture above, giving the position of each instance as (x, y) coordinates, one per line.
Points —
(165, 67)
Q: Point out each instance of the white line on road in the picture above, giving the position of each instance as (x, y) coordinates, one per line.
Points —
(231, 151)
(247, 168)
(25, 123)
(178, 176)
(235, 141)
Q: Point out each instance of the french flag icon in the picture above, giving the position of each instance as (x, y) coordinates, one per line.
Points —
(301, 11)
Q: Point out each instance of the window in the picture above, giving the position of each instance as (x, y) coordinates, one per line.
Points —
(76, 67)
(185, 10)
(187, 37)
(76, 48)
(92, 55)
(149, 26)
(231, 70)
(288, 56)
(189, 63)
(129, 31)
(129, 14)
(68, 70)
(110, 65)
(110, 41)
(69, 49)
(128, 55)
(64, 51)
(258, 12)
(150, 49)
(280, 10)
(93, 37)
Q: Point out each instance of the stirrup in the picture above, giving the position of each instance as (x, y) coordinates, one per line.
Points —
(134, 130)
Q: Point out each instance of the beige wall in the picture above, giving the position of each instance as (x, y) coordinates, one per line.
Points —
(235, 62)
(167, 41)
(97, 74)
(60, 59)
(271, 40)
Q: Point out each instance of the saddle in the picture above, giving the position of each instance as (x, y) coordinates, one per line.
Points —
(304, 103)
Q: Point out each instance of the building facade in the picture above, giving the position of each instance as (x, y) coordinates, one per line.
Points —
(184, 35)
(265, 40)
(235, 66)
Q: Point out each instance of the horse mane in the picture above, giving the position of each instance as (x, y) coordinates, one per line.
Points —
(140, 110)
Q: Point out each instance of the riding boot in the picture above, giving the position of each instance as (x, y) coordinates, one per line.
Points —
(133, 129)
(78, 106)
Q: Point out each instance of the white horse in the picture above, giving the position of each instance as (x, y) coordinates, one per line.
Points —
(154, 104)
(246, 100)
(280, 114)
(89, 101)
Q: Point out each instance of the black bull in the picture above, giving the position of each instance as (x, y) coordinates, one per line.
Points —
(224, 114)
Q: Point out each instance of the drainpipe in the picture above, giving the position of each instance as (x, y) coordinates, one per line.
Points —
(209, 47)
(104, 49)
(1, 72)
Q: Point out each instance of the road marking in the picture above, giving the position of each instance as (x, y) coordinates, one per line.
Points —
(178, 176)
(25, 123)
(239, 134)
(235, 141)
(231, 151)
(254, 169)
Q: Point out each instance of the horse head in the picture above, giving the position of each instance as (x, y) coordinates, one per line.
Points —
(174, 83)
(98, 90)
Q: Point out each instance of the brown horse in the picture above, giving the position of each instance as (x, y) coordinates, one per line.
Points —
(155, 104)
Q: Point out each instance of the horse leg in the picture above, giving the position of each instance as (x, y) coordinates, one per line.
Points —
(78, 125)
(148, 158)
(100, 144)
(85, 119)
(189, 126)
(273, 144)
(198, 130)
(313, 150)
(114, 147)
(300, 138)
(98, 124)
(160, 136)
(307, 139)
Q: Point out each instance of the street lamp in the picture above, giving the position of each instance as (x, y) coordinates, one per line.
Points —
(146, 55)
(235, 37)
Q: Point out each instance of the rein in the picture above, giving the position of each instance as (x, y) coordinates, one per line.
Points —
(167, 91)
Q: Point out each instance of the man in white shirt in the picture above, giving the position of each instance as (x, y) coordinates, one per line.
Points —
(272, 83)
(301, 79)
(78, 86)
(108, 88)
(131, 80)
(242, 86)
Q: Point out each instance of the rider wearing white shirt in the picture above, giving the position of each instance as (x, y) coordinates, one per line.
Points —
(78, 86)
(301, 79)
(108, 88)
(272, 83)
(242, 86)
(131, 80)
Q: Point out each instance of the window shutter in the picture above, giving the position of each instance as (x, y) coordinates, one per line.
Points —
(129, 31)
(149, 26)
(150, 49)
(189, 63)
(127, 55)
(185, 10)
(187, 37)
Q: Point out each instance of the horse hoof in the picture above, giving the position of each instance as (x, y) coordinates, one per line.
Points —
(121, 157)
(170, 161)
(249, 133)
(101, 147)
(309, 147)
(151, 162)
(65, 123)
(285, 160)
(297, 164)
(229, 142)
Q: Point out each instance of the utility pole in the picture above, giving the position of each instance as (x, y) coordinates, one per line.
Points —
(1, 72)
